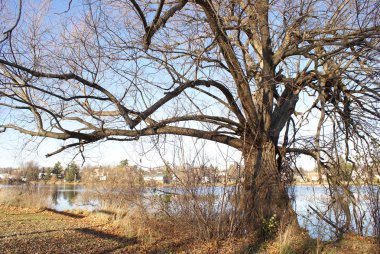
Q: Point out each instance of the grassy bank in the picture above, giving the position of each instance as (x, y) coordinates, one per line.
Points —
(130, 222)
(46, 231)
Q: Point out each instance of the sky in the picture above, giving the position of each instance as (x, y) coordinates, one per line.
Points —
(16, 149)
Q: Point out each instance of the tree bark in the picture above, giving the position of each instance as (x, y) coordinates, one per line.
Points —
(264, 193)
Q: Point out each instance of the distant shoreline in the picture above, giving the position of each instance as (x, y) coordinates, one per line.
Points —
(59, 183)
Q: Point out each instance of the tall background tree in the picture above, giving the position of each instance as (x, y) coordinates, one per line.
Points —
(272, 79)
(57, 169)
(72, 172)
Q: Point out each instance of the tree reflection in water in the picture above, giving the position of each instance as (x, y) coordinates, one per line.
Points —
(64, 194)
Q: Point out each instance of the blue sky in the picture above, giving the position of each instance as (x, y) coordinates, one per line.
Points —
(17, 148)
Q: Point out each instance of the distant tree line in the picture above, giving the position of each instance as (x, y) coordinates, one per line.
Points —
(31, 171)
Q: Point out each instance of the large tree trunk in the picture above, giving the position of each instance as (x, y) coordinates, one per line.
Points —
(264, 194)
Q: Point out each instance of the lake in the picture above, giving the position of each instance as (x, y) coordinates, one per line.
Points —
(74, 197)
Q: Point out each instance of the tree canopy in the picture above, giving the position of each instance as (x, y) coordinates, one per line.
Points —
(273, 79)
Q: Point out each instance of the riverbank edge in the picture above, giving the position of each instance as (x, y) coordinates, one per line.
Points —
(290, 241)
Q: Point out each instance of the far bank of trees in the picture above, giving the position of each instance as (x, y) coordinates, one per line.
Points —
(31, 171)
(191, 175)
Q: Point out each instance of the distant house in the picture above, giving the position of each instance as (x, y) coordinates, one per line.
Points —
(5, 176)
(42, 175)
(160, 179)
(102, 178)
(222, 176)
(99, 174)
(59, 176)
(309, 176)
(313, 176)
(205, 179)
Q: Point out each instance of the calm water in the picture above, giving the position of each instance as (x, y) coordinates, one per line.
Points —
(62, 197)
(70, 197)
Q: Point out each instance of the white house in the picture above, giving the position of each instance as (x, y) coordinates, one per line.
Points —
(155, 178)
(41, 175)
(5, 176)
(206, 179)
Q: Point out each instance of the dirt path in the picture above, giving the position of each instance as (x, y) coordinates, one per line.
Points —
(31, 231)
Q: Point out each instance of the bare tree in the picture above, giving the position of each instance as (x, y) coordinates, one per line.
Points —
(30, 170)
(273, 79)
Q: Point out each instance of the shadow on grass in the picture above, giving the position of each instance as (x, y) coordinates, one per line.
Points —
(84, 240)
(47, 231)
(72, 215)
(108, 236)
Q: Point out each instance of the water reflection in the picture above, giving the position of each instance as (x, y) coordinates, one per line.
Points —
(64, 197)
(311, 203)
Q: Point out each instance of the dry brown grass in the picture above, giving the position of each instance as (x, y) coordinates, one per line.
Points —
(291, 239)
(352, 244)
(27, 196)
(175, 225)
